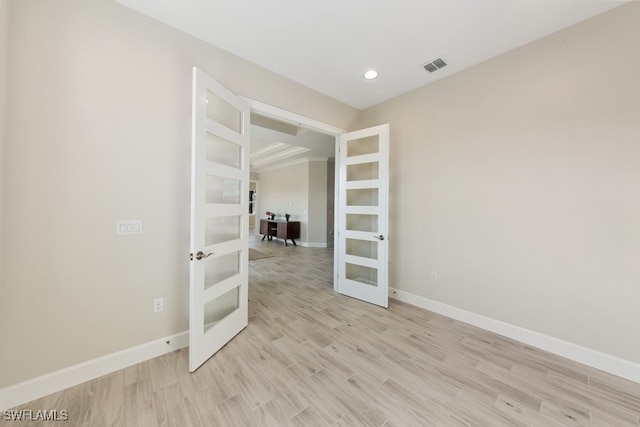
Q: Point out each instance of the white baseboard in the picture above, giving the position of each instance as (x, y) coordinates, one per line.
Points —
(605, 362)
(38, 387)
(313, 245)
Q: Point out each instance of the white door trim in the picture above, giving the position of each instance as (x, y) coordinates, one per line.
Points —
(292, 118)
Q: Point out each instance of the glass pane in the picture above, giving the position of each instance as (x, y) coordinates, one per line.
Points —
(222, 190)
(221, 307)
(366, 145)
(362, 171)
(362, 274)
(224, 113)
(217, 269)
(362, 197)
(224, 152)
(222, 229)
(362, 248)
(362, 222)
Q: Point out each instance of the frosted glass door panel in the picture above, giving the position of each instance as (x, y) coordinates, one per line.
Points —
(362, 171)
(221, 307)
(362, 248)
(362, 197)
(222, 151)
(223, 190)
(362, 222)
(222, 229)
(224, 113)
(362, 274)
(221, 268)
(362, 146)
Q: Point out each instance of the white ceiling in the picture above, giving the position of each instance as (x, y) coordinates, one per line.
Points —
(275, 144)
(329, 44)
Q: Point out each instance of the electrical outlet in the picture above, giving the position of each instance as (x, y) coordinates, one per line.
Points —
(158, 305)
(434, 276)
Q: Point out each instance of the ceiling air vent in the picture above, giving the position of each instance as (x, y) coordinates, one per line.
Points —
(434, 65)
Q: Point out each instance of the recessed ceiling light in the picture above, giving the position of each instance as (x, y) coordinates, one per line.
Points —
(371, 74)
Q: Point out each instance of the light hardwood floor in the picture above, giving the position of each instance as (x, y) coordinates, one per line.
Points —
(310, 357)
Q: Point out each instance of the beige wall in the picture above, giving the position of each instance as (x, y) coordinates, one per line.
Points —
(517, 182)
(286, 190)
(98, 130)
(4, 34)
(301, 190)
(317, 233)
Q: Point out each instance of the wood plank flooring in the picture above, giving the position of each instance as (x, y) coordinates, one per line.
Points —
(310, 357)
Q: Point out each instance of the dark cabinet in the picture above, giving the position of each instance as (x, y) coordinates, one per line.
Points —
(285, 230)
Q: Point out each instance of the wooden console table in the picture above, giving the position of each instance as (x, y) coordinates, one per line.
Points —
(271, 228)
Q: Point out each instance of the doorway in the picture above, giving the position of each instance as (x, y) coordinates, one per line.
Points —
(293, 159)
(360, 211)
(220, 211)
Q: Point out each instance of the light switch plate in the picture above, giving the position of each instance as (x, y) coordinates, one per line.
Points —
(129, 227)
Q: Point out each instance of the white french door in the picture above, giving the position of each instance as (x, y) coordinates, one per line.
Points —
(362, 252)
(219, 277)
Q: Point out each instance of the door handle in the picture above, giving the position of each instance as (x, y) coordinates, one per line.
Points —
(200, 255)
(379, 237)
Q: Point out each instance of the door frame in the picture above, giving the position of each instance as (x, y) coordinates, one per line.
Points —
(299, 120)
(257, 205)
